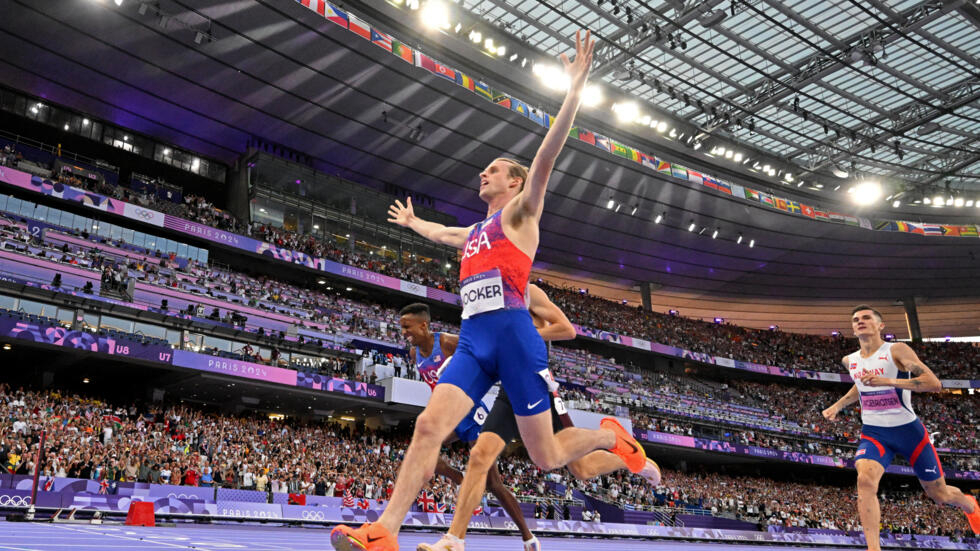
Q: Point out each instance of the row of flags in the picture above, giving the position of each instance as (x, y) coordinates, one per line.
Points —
(357, 26)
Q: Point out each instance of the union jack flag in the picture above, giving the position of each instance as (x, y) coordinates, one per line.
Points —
(103, 486)
(427, 502)
(48, 485)
(363, 504)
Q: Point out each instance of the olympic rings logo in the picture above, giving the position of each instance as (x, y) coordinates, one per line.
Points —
(182, 496)
(313, 515)
(144, 214)
(14, 501)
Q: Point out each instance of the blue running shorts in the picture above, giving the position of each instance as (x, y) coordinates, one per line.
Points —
(910, 440)
(502, 345)
(469, 428)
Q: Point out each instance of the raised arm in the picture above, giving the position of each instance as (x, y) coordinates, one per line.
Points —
(404, 215)
(532, 198)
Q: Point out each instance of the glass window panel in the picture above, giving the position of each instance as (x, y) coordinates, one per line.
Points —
(30, 306)
(150, 330)
(65, 316)
(3, 201)
(138, 239)
(102, 229)
(8, 303)
(127, 235)
(90, 322)
(182, 250)
(214, 342)
(173, 337)
(151, 242)
(41, 213)
(109, 322)
(115, 232)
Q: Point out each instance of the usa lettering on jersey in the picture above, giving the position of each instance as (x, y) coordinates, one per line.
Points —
(477, 244)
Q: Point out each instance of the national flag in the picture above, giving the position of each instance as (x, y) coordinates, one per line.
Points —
(736, 190)
(348, 499)
(381, 40)
(103, 487)
(603, 142)
(363, 504)
(807, 210)
(710, 182)
(440, 508)
(297, 499)
(932, 229)
(634, 155)
(402, 51)
(445, 71)
(48, 484)
(465, 81)
(478, 511)
(483, 89)
(915, 228)
(835, 216)
(619, 149)
(663, 166)
(724, 187)
(820, 215)
(793, 207)
(586, 136)
(426, 501)
(766, 199)
(678, 171)
(648, 161)
(695, 176)
(538, 116)
(501, 99)
(335, 16)
(852, 220)
(358, 27)
(967, 231)
(519, 106)
(114, 419)
(752, 194)
(318, 6)
(781, 203)
(900, 226)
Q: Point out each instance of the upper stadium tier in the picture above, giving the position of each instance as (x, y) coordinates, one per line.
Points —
(211, 78)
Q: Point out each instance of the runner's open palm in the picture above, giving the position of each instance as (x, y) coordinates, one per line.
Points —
(578, 70)
(401, 214)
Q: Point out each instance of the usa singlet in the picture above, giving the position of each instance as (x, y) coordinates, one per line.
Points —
(493, 273)
(430, 367)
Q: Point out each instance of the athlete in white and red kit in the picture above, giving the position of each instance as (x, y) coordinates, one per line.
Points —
(885, 375)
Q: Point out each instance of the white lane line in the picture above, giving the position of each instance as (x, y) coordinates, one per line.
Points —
(17, 548)
(97, 533)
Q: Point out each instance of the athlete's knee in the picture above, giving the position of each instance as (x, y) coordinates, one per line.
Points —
(429, 426)
(867, 483)
(545, 456)
(581, 470)
(482, 459)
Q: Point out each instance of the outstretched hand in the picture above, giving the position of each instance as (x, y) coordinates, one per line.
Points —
(578, 70)
(401, 214)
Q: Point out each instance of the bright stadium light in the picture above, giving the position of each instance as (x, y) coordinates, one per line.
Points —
(626, 112)
(551, 76)
(866, 193)
(435, 15)
(662, 127)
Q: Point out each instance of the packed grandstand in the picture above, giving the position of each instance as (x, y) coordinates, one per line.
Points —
(327, 329)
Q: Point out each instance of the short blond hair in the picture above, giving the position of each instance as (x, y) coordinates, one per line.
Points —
(516, 170)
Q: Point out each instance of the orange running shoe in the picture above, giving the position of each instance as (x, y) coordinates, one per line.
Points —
(974, 517)
(369, 537)
(627, 448)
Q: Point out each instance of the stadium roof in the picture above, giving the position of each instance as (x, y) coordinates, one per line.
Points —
(822, 82)
(207, 77)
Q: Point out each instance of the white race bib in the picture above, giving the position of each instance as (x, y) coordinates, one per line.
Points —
(560, 406)
(483, 292)
(549, 380)
(480, 416)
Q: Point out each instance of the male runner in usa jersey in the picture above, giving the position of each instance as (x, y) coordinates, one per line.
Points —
(885, 375)
(430, 352)
(497, 340)
(501, 428)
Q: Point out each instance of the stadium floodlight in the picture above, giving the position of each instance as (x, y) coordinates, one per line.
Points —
(866, 192)
(739, 240)
(958, 202)
(938, 201)
(896, 203)
(751, 243)
(658, 219)
(714, 235)
(626, 112)
(119, 2)
(692, 226)
(737, 158)
(476, 36)
(502, 50)
(662, 127)
(729, 154)
(610, 204)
